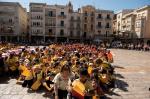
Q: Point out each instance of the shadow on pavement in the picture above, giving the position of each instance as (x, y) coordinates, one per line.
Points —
(119, 76)
(43, 91)
(4, 79)
(120, 67)
(122, 85)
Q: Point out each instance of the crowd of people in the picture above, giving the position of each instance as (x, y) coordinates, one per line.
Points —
(69, 71)
(131, 46)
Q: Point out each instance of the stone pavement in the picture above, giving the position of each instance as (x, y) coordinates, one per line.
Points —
(132, 73)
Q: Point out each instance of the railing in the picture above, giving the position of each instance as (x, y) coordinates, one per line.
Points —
(50, 15)
(99, 27)
(99, 18)
(62, 16)
(60, 25)
(107, 18)
(37, 18)
(108, 27)
(50, 24)
(75, 20)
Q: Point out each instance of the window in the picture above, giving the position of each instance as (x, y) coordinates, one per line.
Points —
(78, 25)
(99, 24)
(143, 14)
(62, 13)
(108, 16)
(72, 18)
(50, 13)
(85, 26)
(99, 32)
(107, 32)
(92, 14)
(71, 33)
(92, 19)
(61, 32)
(78, 18)
(99, 15)
(85, 13)
(50, 30)
(10, 20)
(91, 27)
(62, 23)
(85, 19)
(78, 33)
(107, 25)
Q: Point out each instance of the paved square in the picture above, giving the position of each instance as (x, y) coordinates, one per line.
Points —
(132, 72)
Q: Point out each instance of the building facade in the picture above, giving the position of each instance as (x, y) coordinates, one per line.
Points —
(13, 22)
(96, 23)
(134, 24)
(62, 23)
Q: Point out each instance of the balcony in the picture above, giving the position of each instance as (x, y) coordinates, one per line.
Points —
(7, 23)
(50, 34)
(107, 18)
(62, 16)
(6, 31)
(99, 27)
(36, 10)
(99, 18)
(75, 20)
(49, 24)
(71, 27)
(78, 27)
(34, 18)
(40, 26)
(85, 14)
(61, 26)
(108, 27)
(50, 16)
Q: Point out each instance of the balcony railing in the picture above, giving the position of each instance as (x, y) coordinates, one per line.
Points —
(99, 18)
(48, 24)
(108, 27)
(50, 15)
(107, 18)
(60, 25)
(75, 20)
(78, 27)
(99, 27)
(62, 16)
(33, 10)
(36, 18)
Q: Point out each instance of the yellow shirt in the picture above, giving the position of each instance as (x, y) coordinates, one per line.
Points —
(86, 86)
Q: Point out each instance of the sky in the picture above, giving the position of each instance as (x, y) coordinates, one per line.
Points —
(115, 5)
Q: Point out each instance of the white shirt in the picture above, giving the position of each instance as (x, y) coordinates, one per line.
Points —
(62, 83)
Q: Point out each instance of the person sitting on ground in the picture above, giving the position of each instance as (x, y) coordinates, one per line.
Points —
(82, 87)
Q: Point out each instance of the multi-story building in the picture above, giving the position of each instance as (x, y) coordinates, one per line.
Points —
(134, 23)
(142, 22)
(37, 21)
(50, 23)
(61, 22)
(120, 15)
(115, 25)
(13, 21)
(88, 21)
(96, 23)
(104, 24)
(75, 26)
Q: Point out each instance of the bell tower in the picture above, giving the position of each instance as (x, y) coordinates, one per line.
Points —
(70, 7)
